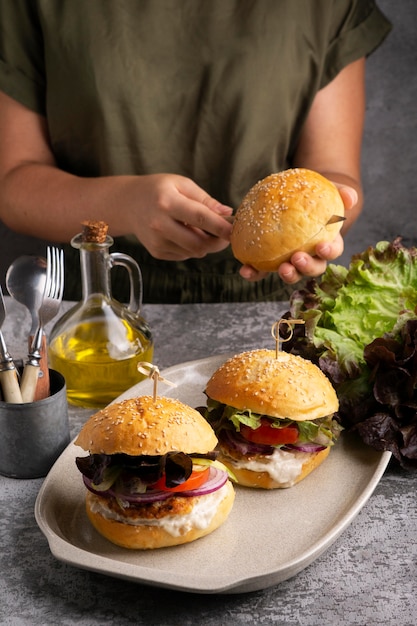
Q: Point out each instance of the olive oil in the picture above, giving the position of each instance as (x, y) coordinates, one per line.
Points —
(94, 373)
(97, 344)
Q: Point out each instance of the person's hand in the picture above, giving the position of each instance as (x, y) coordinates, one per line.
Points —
(177, 220)
(303, 264)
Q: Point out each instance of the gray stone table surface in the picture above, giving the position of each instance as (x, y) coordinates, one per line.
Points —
(368, 576)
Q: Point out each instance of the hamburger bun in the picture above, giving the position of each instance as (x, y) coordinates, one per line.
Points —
(278, 387)
(283, 213)
(286, 387)
(144, 427)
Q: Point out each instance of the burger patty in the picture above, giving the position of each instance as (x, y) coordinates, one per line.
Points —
(176, 505)
(197, 514)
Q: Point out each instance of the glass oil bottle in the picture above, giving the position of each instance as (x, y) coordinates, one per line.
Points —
(98, 343)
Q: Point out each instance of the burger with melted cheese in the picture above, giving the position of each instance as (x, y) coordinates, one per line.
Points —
(273, 416)
(151, 474)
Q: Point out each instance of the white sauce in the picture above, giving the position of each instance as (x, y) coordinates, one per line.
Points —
(284, 467)
(203, 511)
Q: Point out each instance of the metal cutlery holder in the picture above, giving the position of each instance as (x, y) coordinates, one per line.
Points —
(33, 434)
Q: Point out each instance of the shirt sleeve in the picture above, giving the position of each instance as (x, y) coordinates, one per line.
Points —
(358, 28)
(22, 72)
(361, 29)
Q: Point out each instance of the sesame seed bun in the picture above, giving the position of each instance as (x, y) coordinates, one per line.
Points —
(283, 387)
(139, 427)
(283, 213)
(286, 387)
(143, 425)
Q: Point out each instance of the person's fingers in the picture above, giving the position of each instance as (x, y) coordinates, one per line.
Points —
(251, 274)
(349, 196)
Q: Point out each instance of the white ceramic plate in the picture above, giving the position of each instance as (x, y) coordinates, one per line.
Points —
(268, 537)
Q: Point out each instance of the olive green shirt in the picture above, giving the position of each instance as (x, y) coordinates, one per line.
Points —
(216, 90)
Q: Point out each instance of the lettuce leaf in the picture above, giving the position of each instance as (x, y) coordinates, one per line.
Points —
(324, 430)
(344, 313)
(103, 470)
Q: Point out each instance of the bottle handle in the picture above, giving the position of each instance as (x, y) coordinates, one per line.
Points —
(135, 278)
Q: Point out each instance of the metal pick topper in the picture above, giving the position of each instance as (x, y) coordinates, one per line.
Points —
(275, 332)
(152, 372)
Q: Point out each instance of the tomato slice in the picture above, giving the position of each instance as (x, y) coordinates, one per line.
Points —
(194, 481)
(268, 435)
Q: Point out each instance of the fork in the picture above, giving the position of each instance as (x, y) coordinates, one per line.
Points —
(51, 302)
(8, 373)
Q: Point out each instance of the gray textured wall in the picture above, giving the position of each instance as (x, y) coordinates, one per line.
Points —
(390, 141)
(389, 151)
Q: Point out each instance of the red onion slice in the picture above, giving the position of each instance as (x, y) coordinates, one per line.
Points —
(216, 479)
(304, 447)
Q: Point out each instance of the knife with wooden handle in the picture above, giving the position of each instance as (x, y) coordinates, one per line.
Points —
(8, 375)
(10, 385)
(29, 381)
(42, 389)
(31, 369)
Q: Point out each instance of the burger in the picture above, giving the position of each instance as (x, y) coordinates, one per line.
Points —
(285, 212)
(273, 415)
(151, 474)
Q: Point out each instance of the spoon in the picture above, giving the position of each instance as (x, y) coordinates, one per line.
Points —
(25, 282)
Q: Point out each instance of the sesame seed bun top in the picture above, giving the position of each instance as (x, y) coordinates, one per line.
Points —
(283, 213)
(283, 386)
(143, 426)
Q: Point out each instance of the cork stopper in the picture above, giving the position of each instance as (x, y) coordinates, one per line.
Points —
(94, 232)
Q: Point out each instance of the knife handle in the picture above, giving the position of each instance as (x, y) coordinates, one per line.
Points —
(29, 382)
(10, 386)
(42, 389)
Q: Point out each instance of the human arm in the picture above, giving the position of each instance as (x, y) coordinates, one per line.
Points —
(330, 143)
(172, 216)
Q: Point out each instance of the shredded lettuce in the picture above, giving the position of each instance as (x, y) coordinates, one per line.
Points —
(344, 313)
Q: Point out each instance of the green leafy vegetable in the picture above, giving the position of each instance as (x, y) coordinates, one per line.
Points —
(217, 464)
(324, 430)
(375, 298)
